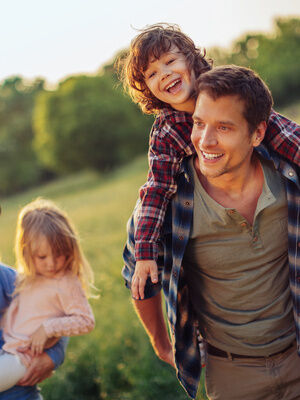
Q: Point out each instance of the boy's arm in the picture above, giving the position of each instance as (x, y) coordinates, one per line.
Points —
(169, 143)
(283, 137)
(128, 270)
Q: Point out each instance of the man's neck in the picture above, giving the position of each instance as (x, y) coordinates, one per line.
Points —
(234, 183)
(240, 191)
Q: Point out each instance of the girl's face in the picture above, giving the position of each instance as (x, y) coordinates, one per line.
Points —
(170, 80)
(45, 262)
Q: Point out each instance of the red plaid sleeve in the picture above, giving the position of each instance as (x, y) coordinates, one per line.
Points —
(170, 142)
(283, 136)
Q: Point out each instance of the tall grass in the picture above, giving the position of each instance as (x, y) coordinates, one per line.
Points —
(115, 361)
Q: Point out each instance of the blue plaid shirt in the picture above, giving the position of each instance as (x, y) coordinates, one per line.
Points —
(174, 238)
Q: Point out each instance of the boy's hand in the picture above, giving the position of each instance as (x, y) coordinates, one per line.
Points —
(38, 341)
(143, 269)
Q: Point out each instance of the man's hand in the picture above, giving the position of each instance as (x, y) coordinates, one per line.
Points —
(40, 368)
(143, 269)
(38, 341)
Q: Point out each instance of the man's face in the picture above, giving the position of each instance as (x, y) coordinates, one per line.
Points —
(221, 136)
(170, 80)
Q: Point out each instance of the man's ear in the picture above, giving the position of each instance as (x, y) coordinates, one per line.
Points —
(259, 133)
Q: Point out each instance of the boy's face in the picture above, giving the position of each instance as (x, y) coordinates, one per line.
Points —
(170, 80)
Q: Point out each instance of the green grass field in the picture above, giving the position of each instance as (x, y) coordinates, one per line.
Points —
(115, 361)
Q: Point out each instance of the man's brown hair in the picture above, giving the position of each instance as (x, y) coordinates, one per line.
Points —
(152, 42)
(231, 80)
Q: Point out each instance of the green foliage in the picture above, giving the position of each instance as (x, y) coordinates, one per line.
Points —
(19, 167)
(276, 57)
(115, 361)
(88, 122)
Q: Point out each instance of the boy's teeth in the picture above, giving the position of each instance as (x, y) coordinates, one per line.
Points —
(211, 155)
(172, 84)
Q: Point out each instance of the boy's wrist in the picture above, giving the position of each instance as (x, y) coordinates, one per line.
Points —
(146, 251)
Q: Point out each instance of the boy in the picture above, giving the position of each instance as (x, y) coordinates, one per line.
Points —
(160, 73)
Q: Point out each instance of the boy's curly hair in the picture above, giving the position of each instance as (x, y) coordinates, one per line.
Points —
(153, 41)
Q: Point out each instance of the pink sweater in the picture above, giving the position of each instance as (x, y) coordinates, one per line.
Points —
(59, 304)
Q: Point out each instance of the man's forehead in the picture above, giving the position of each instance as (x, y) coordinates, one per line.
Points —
(207, 103)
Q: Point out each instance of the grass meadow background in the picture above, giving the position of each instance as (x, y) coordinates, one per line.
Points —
(115, 361)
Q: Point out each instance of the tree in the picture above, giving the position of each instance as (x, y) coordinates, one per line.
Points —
(19, 166)
(275, 56)
(88, 122)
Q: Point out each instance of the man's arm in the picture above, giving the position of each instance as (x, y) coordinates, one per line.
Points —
(42, 366)
(151, 315)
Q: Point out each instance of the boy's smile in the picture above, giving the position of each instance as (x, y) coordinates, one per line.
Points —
(170, 80)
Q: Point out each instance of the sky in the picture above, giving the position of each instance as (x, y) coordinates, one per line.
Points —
(58, 38)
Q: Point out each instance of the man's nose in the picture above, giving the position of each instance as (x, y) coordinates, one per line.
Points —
(208, 137)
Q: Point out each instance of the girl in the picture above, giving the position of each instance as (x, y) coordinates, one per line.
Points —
(50, 297)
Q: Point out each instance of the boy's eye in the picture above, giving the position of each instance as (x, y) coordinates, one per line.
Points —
(41, 257)
(150, 75)
(170, 61)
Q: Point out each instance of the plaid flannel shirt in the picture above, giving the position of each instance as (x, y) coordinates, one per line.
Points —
(170, 142)
(174, 238)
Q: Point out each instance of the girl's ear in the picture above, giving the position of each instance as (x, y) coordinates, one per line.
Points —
(259, 133)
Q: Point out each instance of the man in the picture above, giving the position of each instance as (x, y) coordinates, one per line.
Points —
(43, 365)
(230, 249)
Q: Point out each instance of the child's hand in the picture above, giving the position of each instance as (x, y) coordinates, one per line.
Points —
(38, 340)
(143, 269)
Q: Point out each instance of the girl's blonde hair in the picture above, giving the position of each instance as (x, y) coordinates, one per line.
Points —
(43, 218)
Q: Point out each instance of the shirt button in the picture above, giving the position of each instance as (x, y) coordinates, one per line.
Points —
(291, 173)
(187, 203)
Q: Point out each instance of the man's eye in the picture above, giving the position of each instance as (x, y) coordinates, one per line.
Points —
(199, 124)
(223, 128)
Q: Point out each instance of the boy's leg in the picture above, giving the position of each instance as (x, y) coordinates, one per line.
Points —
(11, 370)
